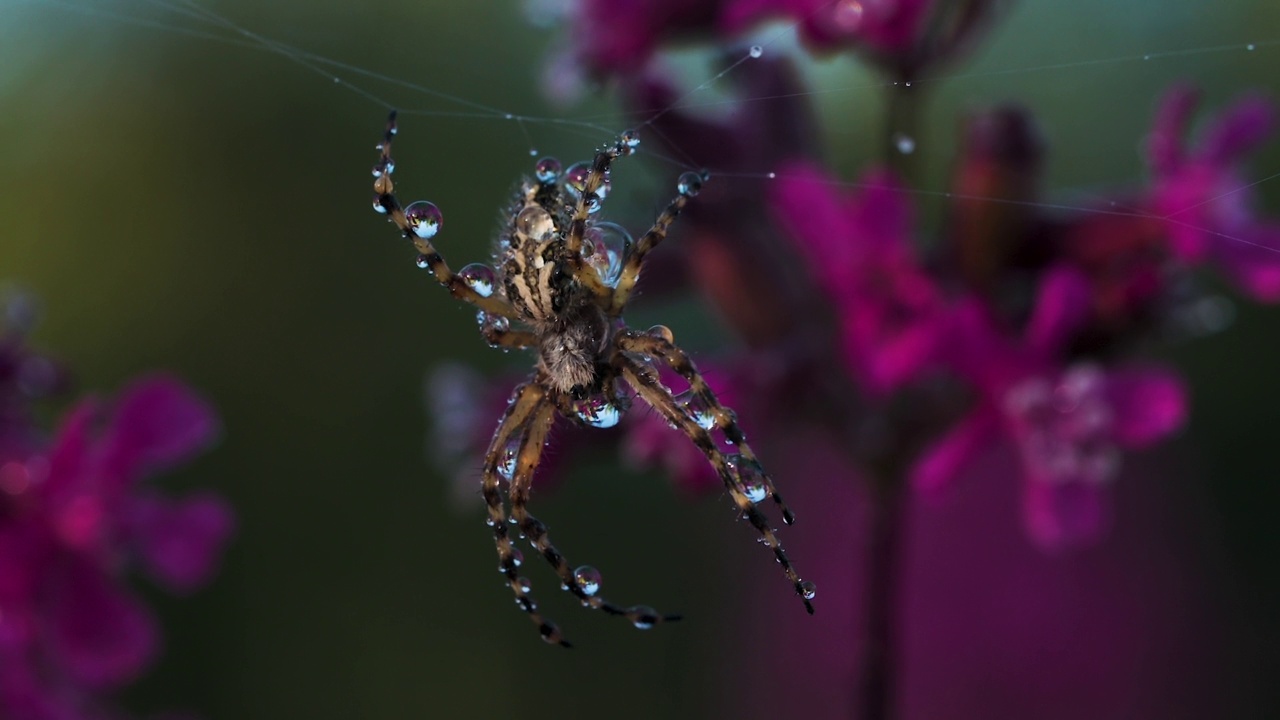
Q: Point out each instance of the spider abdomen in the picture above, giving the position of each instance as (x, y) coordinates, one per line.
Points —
(572, 347)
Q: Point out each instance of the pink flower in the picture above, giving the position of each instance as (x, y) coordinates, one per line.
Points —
(858, 245)
(882, 26)
(73, 518)
(1068, 420)
(1202, 196)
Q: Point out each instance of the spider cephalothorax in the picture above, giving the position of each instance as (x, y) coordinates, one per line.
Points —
(565, 278)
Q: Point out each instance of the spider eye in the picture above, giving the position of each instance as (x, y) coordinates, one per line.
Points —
(424, 219)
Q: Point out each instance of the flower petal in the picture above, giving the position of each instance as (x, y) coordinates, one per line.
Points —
(1149, 404)
(1059, 516)
(1062, 308)
(158, 422)
(1238, 130)
(947, 456)
(1165, 141)
(100, 634)
(180, 541)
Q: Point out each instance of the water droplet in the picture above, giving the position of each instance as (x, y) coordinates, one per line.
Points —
(904, 143)
(610, 244)
(598, 411)
(533, 152)
(575, 179)
(689, 184)
(808, 590)
(1250, 46)
(425, 219)
(698, 409)
(662, 331)
(756, 51)
(773, 175)
(478, 277)
(495, 324)
(588, 579)
(751, 477)
(525, 585)
(422, 262)
(643, 616)
(517, 557)
(1146, 57)
(907, 83)
(385, 166)
(630, 138)
(593, 204)
(535, 222)
(378, 207)
(547, 170)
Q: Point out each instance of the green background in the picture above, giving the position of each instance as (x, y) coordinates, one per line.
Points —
(203, 207)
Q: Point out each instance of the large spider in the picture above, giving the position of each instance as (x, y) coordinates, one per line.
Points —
(566, 278)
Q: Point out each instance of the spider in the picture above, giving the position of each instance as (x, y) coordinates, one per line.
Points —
(565, 278)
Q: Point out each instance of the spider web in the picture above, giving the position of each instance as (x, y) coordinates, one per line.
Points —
(986, 79)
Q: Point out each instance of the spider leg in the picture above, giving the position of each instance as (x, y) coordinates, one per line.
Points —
(588, 201)
(511, 339)
(584, 584)
(644, 380)
(386, 202)
(631, 269)
(704, 401)
(527, 404)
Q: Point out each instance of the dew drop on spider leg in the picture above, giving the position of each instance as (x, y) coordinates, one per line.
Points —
(598, 411)
(478, 277)
(689, 184)
(425, 219)
(587, 579)
(630, 138)
(610, 243)
(525, 585)
(697, 408)
(750, 477)
(808, 590)
(643, 616)
(423, 262)
(662, 332)
(575, 179)
(547, 170)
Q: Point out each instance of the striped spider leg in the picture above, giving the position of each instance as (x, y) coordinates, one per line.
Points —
(743, 476)
(565, 277)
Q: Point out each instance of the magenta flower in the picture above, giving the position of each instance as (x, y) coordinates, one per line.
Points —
(1068, 421)
(858, 245)
(74, 517)
(1201, 195)
(882, 26)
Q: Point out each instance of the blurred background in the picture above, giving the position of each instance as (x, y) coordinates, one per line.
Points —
(203, 207)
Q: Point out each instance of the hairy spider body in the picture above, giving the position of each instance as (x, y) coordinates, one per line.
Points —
(566, 277)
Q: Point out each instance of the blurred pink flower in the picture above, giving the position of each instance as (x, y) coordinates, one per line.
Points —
(859, 248)
(73, 517)
(1068, 420)
(1201, 195)
(883, 26)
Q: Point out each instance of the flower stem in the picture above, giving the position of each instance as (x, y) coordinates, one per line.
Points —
(877, 680)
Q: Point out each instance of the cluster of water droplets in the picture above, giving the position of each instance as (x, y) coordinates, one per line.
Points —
(491, 323)
(1066, 428)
